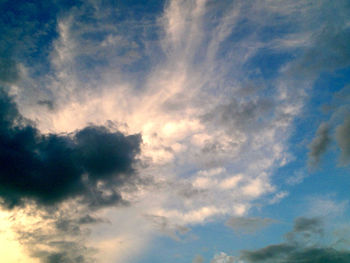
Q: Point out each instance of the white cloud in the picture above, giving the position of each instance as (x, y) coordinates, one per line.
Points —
(169, 107)
(223, 258)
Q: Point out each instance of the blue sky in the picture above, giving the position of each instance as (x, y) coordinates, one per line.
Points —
(175, 131)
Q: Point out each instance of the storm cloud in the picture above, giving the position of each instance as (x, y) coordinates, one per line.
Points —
(301, 245)
(54, 167)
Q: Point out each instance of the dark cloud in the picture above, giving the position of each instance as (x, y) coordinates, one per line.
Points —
(319, 144)
(62, 258)
(248, 224)
(300, 246)
(291, 254)
(8, 70)
(54, 167)
(329, 49)
(267, 253)
(67, 252)
(343, 140)
(302, 224)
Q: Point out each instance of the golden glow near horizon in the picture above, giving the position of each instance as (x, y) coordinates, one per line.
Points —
(11, 250)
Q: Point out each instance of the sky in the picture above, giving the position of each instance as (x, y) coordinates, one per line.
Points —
(178, 131)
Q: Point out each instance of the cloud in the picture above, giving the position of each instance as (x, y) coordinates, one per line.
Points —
(48, 103)
(337, 128)
(8, 71)
(30, 28)
(54, 167)
(343, 140)
(198, 259)
(180, 80)
(248, 225)
(57, 234)
(222, 258)
(297, 178)
(319, 144)
(290, 254)
(242, 115)
(303, 224)
(301, 245)
(173, 230)
(181, 58)
(326, 206)
(333, 38)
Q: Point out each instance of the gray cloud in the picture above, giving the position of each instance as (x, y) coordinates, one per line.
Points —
(302, 224)
(239, 115)
(267, 253)
(291, 254)
(333, 39)
(48, 103)
(8, 71)
(319, 144)
(343, 140)
(59, 235)
(248, 224)
(337, 128)
(89, 163)
(329, 50)
(301, 245)
(198, 259)
(173, 230)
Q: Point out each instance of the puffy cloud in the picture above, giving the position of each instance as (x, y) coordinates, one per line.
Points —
(222, 258)
(54, 167)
